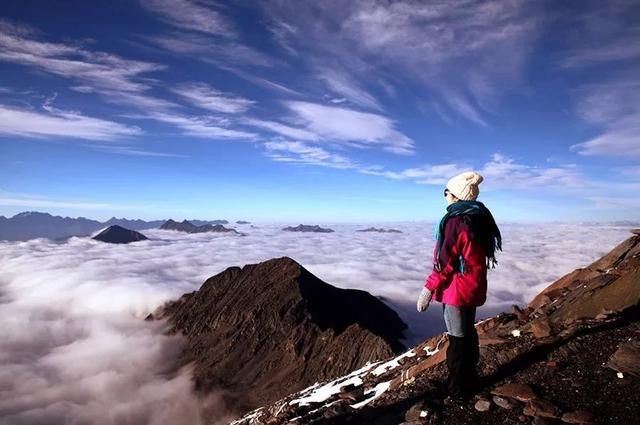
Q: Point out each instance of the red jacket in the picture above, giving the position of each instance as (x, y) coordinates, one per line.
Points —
(462, 280)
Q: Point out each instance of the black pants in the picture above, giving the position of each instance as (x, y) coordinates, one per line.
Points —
(463, 352)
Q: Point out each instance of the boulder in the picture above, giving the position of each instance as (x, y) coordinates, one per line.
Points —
(482, 405)
(502, 402)
(540, 328)
(626, 358)
(541, 408)
(520, 392)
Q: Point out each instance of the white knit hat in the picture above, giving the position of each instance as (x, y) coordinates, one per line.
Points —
(465, 186)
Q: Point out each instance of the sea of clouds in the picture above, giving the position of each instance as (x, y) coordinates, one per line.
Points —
(75, 348)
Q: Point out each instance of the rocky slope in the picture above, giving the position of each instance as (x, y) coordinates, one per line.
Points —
(571, 356)
(269, 329)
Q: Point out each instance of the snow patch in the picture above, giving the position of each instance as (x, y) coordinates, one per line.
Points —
(430, 351)
(318, 394)
(248, 418)
(379, 389)
(97, 232)
(392, 364)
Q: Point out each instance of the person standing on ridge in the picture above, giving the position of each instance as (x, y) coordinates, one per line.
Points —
(466, 241)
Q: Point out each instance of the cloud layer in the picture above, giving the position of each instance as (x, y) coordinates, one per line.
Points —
(76, 347)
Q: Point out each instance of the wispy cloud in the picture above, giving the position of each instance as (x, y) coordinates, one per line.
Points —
(602, 34)
(614, 202)
(99, 70)
(463, 54)
(219, 52)
(190, 15)
(299, 152)
(209, 127)
(604, 42)
(356, 128)
(206, 97)
(624, 142)
(620, 49)
(615, 107)
(133, 151)
(264, 82)
(48, 203)
(505, 173)
(117, 80)
(500, 172)
(428, 174)
(282, 129)
(343, 85)
(57, 123)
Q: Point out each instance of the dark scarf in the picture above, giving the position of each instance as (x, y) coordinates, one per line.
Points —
(483, 228)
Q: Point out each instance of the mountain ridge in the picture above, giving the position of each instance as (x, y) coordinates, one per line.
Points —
(35, 224)
(274, 327)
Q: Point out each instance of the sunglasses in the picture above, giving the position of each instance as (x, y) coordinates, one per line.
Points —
(446, 192)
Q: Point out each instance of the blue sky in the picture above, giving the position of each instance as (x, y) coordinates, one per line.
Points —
(319, 111)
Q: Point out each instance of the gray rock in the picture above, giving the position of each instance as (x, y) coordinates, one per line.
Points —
(502, 402)
(482, 405)
(626, 359)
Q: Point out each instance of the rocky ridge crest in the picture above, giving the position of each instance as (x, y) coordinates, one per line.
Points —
(266, 330)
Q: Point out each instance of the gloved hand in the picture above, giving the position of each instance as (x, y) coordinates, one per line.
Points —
(424, 299)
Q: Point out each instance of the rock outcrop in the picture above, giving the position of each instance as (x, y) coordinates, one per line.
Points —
(266, 330)
(188, 227)
(376, 230)
(118, 234)
(571, 355)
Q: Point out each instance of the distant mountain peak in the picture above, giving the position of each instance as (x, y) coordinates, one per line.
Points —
(31, 213)
(308, 228)
(119, 235)
(188, 227)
